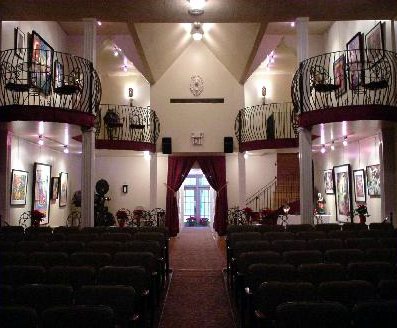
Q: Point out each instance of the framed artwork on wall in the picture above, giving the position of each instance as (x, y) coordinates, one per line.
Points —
(375, 44)
(359, 186)
(373, 180)
(339, 69)
(41, 190)
(63, 189)
(54, 188)
(328, 182)
(19, 43)
(343, 193)
(42, 55)
(19, 186)
(354, 60)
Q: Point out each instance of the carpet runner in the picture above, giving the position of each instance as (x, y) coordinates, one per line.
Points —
(197, 296)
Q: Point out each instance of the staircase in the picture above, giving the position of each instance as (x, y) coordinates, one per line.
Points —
(282, 189)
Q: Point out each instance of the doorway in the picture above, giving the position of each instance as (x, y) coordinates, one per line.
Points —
(197, 200)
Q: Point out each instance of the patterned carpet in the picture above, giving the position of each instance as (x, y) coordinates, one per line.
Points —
(197, 296)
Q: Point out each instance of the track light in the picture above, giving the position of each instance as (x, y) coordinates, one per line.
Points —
(333, 145)
(41, 141)
(196, 7)
(292, 24)
(345, 141)
(245, 155)
(99, 23)
(66, 149)
(323, 149)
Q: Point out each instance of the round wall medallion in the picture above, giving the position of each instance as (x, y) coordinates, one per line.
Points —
(196, 85)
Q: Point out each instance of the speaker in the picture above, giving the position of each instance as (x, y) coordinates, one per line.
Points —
(228, 144)
(166, 145)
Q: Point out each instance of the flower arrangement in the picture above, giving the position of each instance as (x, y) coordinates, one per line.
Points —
(361, 210)
(204, 221)
(247, 210)
(191, 221)
(36, 217)
(76, 200)
(265, 212)
(122, 217)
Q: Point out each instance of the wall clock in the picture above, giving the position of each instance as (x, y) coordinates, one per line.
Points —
(196, 85)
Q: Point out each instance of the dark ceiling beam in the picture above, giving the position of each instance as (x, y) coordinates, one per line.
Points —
(145, 68)
(247, 70)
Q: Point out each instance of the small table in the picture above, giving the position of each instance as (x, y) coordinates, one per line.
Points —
(321, 218)
(284, 219)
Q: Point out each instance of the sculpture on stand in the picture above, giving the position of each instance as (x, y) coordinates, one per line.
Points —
(102, 216)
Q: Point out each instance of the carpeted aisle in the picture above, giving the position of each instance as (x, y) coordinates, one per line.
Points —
(197, 296)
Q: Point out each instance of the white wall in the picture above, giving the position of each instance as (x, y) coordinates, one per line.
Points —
(49, 31)
(358, 154)
(129, 168)
(179, 121)
(23, 156)
(342, 31)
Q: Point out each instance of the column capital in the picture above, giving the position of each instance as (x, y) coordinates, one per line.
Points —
(302, 20)
(88, 129)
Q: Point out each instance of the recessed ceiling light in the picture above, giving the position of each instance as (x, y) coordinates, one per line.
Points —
(196, 7)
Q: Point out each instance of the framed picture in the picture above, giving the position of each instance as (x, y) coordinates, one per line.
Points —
(54, 188)
(343, 198)
(19, 43)
(63, 189)
(41, 189)
(359, 186)
(375, 44)
(328, 182)
(373, 180)
(19, 186)
(354, 60)
(58, 75)
(339, 69)
(42, 55)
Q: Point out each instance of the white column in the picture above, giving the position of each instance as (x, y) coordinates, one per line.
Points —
(305, 176)
(305, 136)
(87, 177)
(387, 172)
(5, 173)
(241, 180)
(88, 142)
(153, 181)
(393, 34)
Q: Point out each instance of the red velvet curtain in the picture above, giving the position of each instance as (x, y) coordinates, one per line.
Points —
(178, 169)
(214, 169)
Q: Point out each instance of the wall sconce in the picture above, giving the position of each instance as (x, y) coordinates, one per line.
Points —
(263, 95)
(125, 189)
(197, 31)
(131, 95)
(197, 140)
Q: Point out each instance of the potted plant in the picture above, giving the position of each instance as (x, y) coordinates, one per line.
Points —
(204, 221)
(191, 221)
(36, 217)
(362, 212)
(122, 217)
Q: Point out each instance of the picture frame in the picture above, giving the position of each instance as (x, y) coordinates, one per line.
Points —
(375, 44)
(354, 60)
(339, 69)
(359, 186)
(343, 193)
(63, 189)
(41, 189)
(19, 187)
(54, 188)
(58, 75)
(373, 180)
(328, 182)
(19, 43)
(41, 63)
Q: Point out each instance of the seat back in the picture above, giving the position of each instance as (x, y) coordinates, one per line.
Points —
(325, 244)
(17, 316)
(343, 256)
(300, 257)
(73, 276)
(370, 271)
(93, 259)
(317, 273)
(375, 314)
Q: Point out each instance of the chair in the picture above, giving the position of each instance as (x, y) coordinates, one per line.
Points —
(371, 271)
(67, 246)
(115, 236)
(294, 228)
(312, 315)
(41, 297)
(16, 275)
(289, 245)
(110, 247)
(73, 276)
(387, 289)
(30, 246)
(18, 317)
(361, 243)
(375, 314)
(327, 227)
(112, 124)
(78, 316)
(310, 235)
(325, 244)
(67, 83)
(93, 259)
(317, 273)
(343, 256)
(278, 235)
(381, 254)
(301, 257)
(49, 259)
(7, 295)
(377, 75)
(13, 258)
(322, 84)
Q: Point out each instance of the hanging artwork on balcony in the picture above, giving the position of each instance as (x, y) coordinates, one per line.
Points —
(42, 55)
(340, 75)
(63, 189)
(19, 184)
(19, 43)
(373, 180)
(328, 182)
(374, 44)
(354, 60)
(343, 198)
(359, 185)
(41, 190)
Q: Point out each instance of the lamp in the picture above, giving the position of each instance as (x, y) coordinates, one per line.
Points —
(131, 95)
(196, 7)
(197, 31)
(322, 149)
(41, 141)
(66, 149)
(263, 95)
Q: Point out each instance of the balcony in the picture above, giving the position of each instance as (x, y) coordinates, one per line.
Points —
(346, 86)
(48, 86)
(126, 127)
(267, 126)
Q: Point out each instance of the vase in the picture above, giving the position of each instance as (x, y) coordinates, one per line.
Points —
(121, 223)
(362, 218)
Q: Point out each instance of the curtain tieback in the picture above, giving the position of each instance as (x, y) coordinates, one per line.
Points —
(222, 187)
(170, 188)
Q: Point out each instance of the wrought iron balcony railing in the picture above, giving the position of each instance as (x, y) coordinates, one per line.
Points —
(265, 122)
(48, 79)
(126, 123)
(346, 78)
